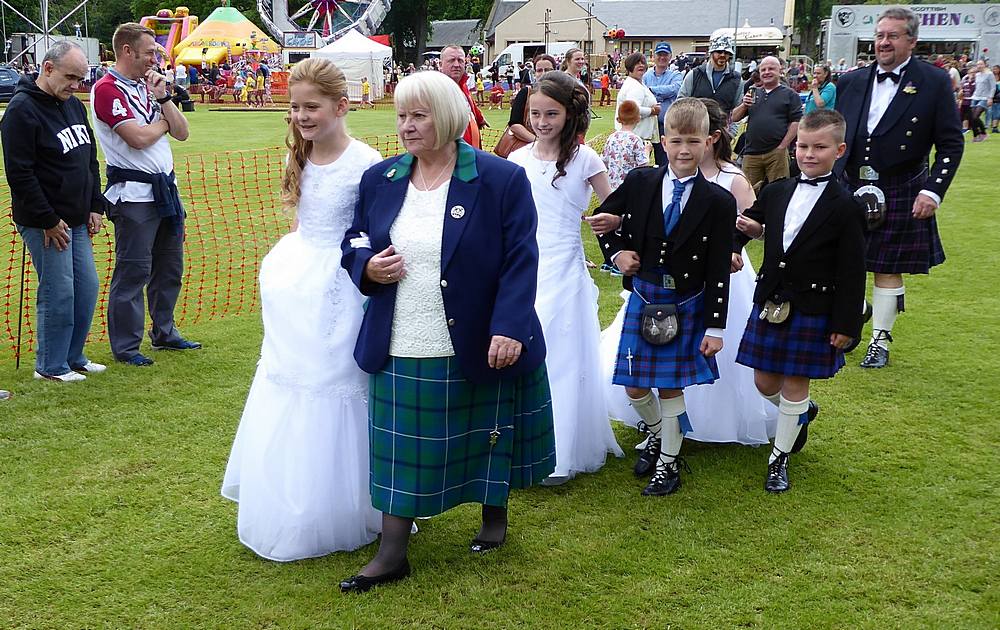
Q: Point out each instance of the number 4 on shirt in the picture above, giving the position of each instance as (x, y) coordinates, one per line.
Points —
(118, 109)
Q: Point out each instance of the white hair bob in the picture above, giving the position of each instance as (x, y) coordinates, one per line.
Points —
(438, 93)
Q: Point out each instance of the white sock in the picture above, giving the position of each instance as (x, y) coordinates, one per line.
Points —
(789, 416)
(774, 399)
(670, 426)
(885, 307)
(648, 408)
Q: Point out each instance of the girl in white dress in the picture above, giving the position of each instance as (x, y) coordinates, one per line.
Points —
(728, 410)
(562, 173)
(299, 463)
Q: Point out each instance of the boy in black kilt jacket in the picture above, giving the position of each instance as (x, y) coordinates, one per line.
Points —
(809, 286)
(673, 249)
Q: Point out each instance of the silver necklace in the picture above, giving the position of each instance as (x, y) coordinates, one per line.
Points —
(434, 181)
(545, 163)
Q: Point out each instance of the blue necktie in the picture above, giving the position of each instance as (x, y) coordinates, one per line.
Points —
(672, 213)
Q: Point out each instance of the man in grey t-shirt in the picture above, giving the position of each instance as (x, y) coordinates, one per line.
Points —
(774, 111)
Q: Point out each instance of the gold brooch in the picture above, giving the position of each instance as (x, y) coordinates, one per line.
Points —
(909, 89)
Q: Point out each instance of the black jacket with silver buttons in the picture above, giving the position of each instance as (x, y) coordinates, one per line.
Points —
(823, 271)
(697, 251)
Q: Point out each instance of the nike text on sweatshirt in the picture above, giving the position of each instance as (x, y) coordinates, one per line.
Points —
(50, 159)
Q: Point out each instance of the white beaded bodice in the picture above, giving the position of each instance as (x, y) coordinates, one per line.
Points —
(329, 192)
(419, 325)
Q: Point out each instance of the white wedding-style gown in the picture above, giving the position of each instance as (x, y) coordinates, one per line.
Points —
(299, 463)
(728, 410)
(566, 304)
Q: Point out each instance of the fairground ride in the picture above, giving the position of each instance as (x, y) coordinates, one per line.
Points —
(329, 19)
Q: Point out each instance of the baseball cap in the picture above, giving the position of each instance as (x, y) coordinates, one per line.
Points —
(663, 47)
(722, 43)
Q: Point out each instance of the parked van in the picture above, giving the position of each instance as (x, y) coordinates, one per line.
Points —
(520, 53)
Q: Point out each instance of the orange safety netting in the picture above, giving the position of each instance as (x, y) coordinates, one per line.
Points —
(234, 218)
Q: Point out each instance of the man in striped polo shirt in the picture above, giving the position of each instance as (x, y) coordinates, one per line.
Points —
(133, 115)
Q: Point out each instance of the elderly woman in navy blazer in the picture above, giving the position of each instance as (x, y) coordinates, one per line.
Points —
(443, 243)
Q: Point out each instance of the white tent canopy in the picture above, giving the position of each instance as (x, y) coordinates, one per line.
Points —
(358, 57)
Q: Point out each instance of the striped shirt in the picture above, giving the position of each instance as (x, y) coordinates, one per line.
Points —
(116, 101)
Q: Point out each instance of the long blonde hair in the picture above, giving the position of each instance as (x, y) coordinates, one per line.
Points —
(332, 84)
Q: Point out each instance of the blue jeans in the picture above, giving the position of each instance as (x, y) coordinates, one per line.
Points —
(67, 295)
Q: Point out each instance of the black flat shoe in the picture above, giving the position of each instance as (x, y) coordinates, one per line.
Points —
(482, 546)
(876, 358)
(800, 441)
(666, 480)
(648, 456)
(362, 583)
(777, 475)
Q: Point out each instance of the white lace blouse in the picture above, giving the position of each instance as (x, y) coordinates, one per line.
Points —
(419, 324)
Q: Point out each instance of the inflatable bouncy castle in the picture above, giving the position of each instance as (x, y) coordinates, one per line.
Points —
(224, 35)
(170, 27)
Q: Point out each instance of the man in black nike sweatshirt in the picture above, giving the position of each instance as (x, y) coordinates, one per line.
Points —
(50, 160)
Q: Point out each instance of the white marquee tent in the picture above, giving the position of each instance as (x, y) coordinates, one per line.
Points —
(358, 56)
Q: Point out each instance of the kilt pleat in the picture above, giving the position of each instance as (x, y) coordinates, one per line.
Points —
(675, 365)
(430, 436)
(798, 347)
(902, 244)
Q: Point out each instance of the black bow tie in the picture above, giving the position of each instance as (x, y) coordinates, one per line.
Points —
(817, 181)
(882, 76)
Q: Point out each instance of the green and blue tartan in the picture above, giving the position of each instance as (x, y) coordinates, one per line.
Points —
(429, 431)
(465, 164)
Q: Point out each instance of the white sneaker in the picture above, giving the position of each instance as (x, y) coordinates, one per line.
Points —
(90, 368)
(68, 377)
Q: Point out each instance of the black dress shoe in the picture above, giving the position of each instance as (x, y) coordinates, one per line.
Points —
(482, 546)
(362, 583)
(777, 475)
(647, 457)
(877, 357)
(800, 441)
(666, 480)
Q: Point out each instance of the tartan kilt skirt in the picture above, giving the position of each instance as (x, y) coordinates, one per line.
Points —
(430, 436)
(675, 365)
(902, 244)
(799, 346)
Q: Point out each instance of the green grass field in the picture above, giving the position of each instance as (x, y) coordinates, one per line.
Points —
(110, 513)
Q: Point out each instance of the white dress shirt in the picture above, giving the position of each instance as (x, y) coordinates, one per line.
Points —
(799, 206)
(666, 197)
(882, 95)
(668, 189)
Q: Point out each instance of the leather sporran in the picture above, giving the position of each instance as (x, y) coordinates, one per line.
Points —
(776, 313)
(872, 199)
(659, 324)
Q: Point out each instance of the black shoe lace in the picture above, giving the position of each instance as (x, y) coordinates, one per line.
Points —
(874, 351)
(642, 427)
(652, 448)
(680, 462)
(675, 467)
(880, 335)
(774, 468)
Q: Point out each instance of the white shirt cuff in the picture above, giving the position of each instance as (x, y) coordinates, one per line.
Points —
(614, 255)
(933, 195)
(714, 332)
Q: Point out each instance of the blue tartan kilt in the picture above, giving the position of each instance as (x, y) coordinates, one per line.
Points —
(675, 365)
(902, 244)
(430, 436)
(800, 346)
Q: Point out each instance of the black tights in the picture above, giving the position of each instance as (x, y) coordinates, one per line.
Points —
(395, 538)
(975, 121)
